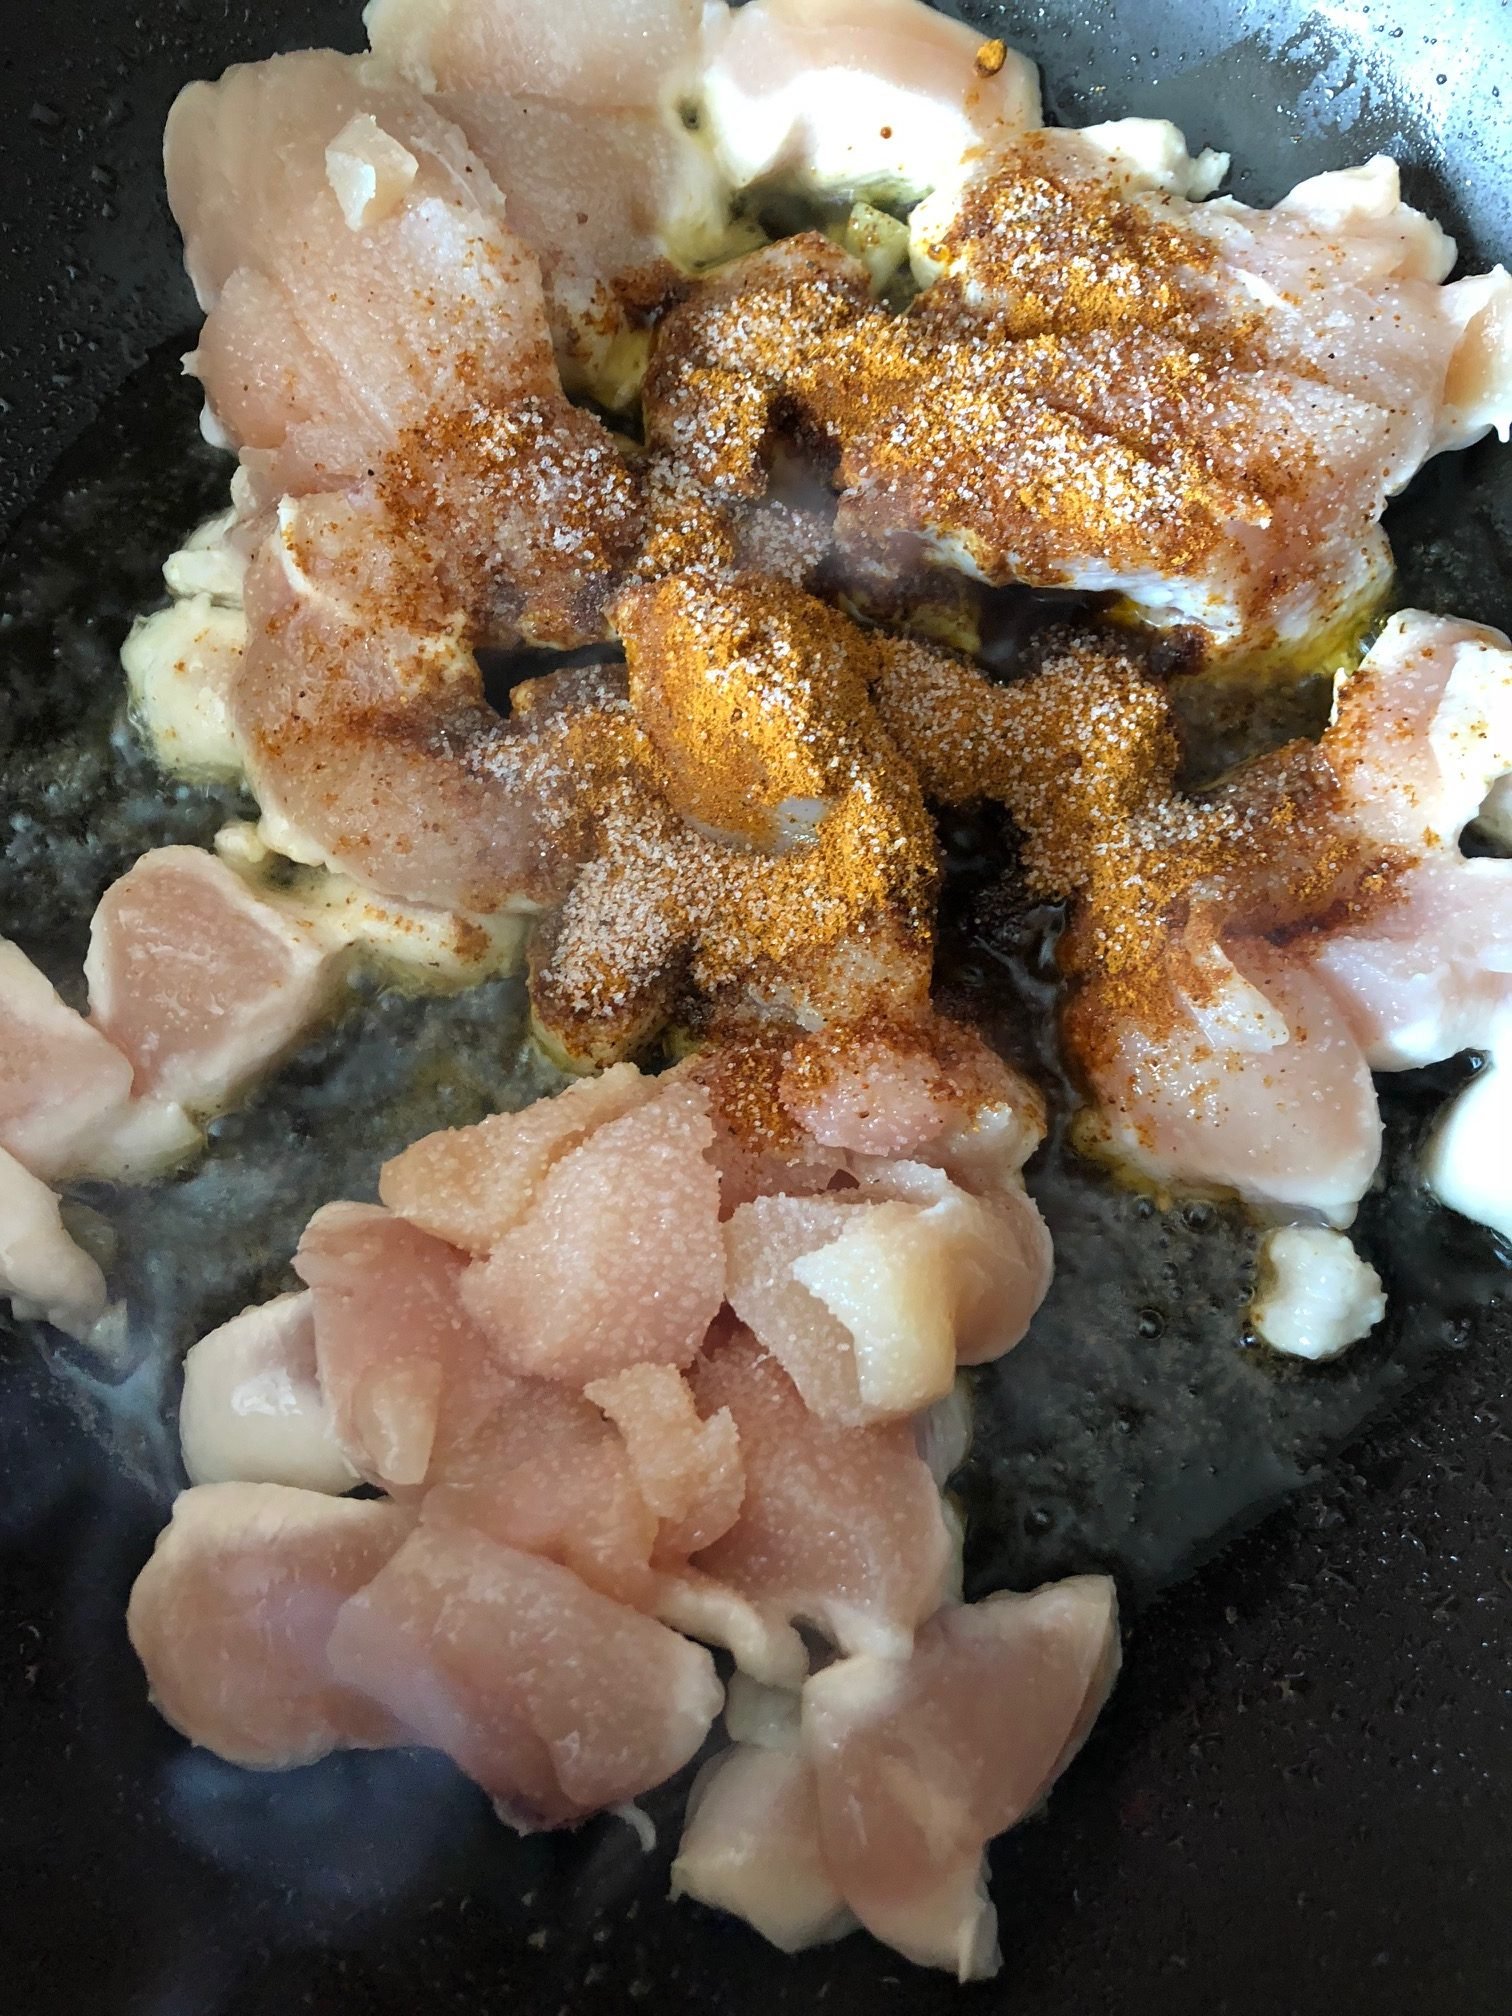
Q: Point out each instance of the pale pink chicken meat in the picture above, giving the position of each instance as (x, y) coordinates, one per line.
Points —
(555, 1700)
(406, 1372)
(544, 1473)
(763, 1239)
(197, 980)
(1423, 730)
(620, 1259)
(839, 1527)
(232, 1615)
(919, 1763)
(1266, 1092)
(1431, 974)
(689, 1471)
(324, 340)
(580, 123)
(471, 1185)
(750, 1844)
(252, 1411)
(62, 1084)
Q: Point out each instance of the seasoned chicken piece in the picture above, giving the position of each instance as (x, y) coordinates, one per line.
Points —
(327, 335)
(1257, 1085)
(231, 1618)
(198, 981)
(1265, 380)
(252, 1410)
(360, 713)
(557, 1701)
(1107, 385)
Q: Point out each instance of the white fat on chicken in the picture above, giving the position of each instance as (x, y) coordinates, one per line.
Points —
(179, 664)
(888, 1278)
(441, 947)
(878, 96)
(252, 1410)
(370, 172)
(180, 661)
(1317, 1296)
(43, 1271)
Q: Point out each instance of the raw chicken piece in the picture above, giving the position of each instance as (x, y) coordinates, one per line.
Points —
(406, 1372)
(619, 1260)
(572, 52)
(471, 1185)
(1423, 730)
(920, 1763)
(1427, 973)
(839, 1527)
(763, 1239)
(885, 96)
(322, 341)
(688, 1471)
(869, 1306)
(200, 983)
(252, 1410)
(750, 1845)
(994, 1245)
(1262, 1089)
(41, 1269)
(580, 125)
(557, 1701)
(546, 1474)
(232, 1614)
(62, 1085)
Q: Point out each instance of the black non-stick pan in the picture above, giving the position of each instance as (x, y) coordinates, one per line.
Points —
(1296, 1805)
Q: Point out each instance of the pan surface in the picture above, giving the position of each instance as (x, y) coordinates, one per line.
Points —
(1296, 1800)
